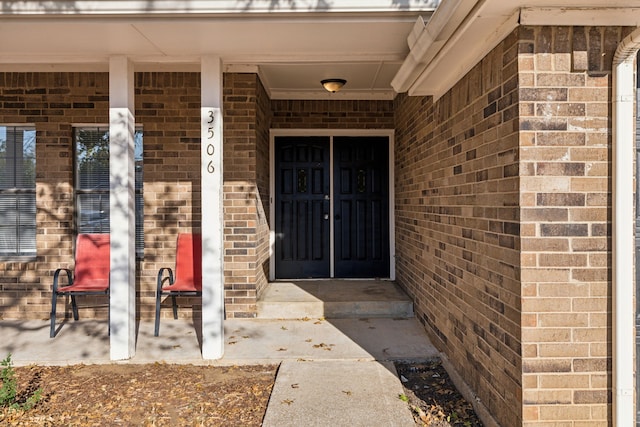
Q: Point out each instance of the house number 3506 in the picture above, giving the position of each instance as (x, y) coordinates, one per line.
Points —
(210, 147)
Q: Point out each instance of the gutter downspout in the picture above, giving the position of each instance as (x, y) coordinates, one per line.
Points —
(623, 230)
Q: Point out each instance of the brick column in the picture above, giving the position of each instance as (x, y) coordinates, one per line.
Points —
(565, 97)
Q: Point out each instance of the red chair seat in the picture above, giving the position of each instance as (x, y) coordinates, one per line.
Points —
(182, 286)
(92, 286)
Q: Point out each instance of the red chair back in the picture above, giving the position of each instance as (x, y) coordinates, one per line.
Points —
(188, 262)
(92, 262)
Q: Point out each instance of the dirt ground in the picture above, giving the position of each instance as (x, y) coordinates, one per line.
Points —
(432, 397)
(186, 395)
(144, 395)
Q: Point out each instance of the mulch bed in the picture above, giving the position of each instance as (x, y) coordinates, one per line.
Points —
(143, 395)
(433, 398)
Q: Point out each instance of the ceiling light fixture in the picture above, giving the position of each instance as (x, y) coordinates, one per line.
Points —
(333, 85)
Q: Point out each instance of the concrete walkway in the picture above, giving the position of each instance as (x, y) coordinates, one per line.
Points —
(335, 372)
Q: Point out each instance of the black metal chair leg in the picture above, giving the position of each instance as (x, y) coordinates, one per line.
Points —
(108, 315)
(157, 329)
(54, 301)
(175, 306)
(74, 307)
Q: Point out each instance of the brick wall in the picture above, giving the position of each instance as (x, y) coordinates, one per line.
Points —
(168, 108)
(263, 174)
(565, 150)
(503, 224)
(246, 187)
(53, 102)
(330, 114)
(457, 225)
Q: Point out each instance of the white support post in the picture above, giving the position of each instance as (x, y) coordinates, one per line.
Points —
(212, 217)
(122, 304)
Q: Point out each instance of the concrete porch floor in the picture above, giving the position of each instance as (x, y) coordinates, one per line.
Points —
(358, 319)
(246, 341)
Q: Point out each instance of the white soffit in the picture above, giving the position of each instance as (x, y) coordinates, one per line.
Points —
(237, 40)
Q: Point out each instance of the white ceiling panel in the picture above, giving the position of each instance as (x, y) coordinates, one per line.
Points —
(295, 39)
(72, 38)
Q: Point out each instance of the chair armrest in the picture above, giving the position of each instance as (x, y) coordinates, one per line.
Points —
(162, 278)
(56, 276)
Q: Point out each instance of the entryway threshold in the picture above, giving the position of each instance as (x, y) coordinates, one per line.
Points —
(335, 299)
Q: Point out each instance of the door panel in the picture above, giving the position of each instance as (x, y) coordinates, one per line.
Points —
(302, 206)
(361, 207)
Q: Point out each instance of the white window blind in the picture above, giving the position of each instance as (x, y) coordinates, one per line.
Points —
(17, 191)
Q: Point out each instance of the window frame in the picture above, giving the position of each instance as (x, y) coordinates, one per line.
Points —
(139, 186)
(17, 254)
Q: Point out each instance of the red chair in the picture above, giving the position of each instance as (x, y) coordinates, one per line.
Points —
(188, 274)
(90, 273)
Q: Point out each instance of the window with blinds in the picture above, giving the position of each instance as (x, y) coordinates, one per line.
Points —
(92, 183)
(17, 191)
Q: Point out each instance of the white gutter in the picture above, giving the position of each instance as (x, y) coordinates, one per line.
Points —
(426, 40)
(623, 230)
(212, 7)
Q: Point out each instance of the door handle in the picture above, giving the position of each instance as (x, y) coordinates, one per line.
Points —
(326, 216)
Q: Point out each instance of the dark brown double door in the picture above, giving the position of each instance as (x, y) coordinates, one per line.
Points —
(304, 214)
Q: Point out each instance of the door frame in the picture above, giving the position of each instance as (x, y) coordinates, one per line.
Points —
(331, 133)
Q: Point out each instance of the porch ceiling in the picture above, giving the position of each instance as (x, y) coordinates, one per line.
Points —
(292, 49)
(381, 47)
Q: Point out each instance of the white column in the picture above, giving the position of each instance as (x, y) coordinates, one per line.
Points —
(122, 307)
(212, 217)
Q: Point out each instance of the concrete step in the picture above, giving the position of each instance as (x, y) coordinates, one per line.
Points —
(334, 299)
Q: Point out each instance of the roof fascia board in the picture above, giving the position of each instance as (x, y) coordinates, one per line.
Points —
(603, 16)
(457, 58)
(435, 64)
(136, 7)
(426, 40)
